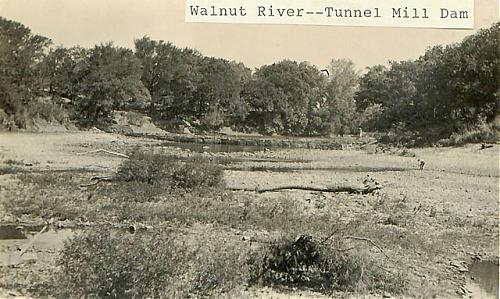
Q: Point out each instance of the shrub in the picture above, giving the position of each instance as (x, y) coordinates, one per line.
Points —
(113, 264)
(195, 172)
(482, 132)
(198, 171)
(146, 168)
(103, 264)
(47, 110)
(304, 262)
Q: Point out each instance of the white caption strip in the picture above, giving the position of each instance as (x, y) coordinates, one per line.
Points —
(457, 14)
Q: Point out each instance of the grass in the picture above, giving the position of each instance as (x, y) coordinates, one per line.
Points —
(207, 251)
(166, 264)
(112, 264)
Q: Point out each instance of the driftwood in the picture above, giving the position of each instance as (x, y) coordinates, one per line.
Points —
(484, 146)
(32, 241)
(97, 179)
(348, 189)
(104, 151)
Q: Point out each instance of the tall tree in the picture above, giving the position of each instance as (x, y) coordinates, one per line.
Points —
(170, 74)
(217, 97)
(342, 85)
(280, 97)
(109, 79)
(21, 52)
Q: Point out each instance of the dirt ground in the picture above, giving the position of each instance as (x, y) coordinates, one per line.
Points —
(429, 222)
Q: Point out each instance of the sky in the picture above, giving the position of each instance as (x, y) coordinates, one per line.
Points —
(88, 22)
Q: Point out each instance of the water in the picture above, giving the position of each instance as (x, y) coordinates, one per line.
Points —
(11, 232)
(215, 148)
(334, 169)
(485, 275)
(20, 244)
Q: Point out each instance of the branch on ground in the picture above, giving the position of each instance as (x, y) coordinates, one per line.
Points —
(348, 189)
(104, 151)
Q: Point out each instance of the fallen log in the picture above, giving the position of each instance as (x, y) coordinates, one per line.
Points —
(340, 189)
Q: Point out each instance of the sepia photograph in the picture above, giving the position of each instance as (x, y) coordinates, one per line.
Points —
(249, 149)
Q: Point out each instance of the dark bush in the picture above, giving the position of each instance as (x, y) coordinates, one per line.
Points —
(303, 261)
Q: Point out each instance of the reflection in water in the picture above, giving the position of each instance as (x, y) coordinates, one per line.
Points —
(485, 274)
(336, 169)
(11, 232)
(13, 239)
(215, 148)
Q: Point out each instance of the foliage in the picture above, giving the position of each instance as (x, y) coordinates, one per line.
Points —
(184, 84)
(20, 55)
(282, 96)
(47, 110)
(62, 67)
(170, 74)
(340, 90)
(441, 93)
(448, 90)
(105, 264)
(306, 262)
(158, 264)
(482, 132)
(195, 172)
(109, 80)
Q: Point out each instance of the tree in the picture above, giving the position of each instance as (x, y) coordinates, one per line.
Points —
(281, 97)
(171, 75)
(20, 55)
(217, 96)
(61, 69)
(342, 84)
(109, 79)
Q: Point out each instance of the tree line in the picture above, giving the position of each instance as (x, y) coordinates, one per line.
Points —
(447, 89)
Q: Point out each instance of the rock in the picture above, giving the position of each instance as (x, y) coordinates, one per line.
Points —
(386, 295)
(462, 291)
(460, 267)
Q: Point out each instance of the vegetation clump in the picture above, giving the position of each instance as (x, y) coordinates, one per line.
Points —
(191, 173)
(305, 262)
(114, 264)
(415, 102)
(103, 264)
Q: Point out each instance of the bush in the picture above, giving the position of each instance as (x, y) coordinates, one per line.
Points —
(482, 132)
(47, 110)
(304, 262)
(102, 264)
(105, 264)
(195, 172)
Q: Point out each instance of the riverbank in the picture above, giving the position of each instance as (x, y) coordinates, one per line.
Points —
(430, 226)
